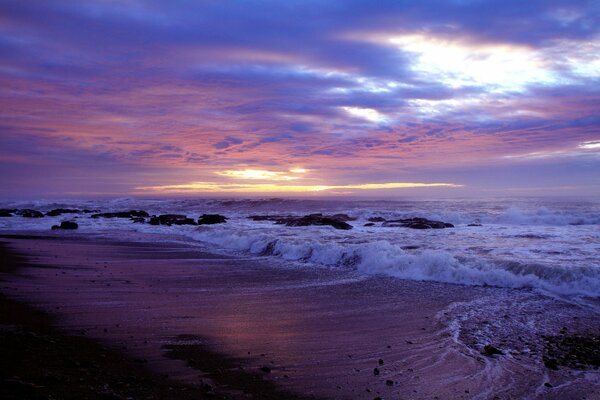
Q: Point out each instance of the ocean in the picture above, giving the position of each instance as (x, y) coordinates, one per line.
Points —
(551, 246)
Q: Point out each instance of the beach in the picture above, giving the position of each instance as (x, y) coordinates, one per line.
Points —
(244, 326)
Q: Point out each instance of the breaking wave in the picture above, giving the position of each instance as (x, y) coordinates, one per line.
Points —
(385, 258)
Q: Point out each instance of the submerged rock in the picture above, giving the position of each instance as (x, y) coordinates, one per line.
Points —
(27, 213)
(307, 220)
(210, 219)
(122, 214)
(417, 223)
(474, 225)
(66, 225)
(4, 212)
(377, 219)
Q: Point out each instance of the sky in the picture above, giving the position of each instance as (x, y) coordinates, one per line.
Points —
(302, 98)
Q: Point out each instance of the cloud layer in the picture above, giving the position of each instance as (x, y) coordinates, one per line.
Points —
(106, 97)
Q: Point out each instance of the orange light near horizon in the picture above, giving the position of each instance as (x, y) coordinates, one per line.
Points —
(212, 187)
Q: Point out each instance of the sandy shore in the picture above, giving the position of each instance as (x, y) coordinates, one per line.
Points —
(245, 325)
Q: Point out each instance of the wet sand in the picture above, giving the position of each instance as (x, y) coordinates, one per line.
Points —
(243, 324)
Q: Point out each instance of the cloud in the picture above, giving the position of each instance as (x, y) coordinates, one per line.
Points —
(377, 89)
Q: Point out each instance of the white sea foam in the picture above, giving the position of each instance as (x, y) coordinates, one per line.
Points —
(385, 258)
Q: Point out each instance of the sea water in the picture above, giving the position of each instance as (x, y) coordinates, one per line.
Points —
(549, 245)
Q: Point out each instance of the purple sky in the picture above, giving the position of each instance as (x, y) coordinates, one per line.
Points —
(386, 98)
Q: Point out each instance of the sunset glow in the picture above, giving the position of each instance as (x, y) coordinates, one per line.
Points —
(99, 97)
(210, 187)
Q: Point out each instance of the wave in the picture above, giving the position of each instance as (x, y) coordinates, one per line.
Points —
(385, 258)
(545, 216)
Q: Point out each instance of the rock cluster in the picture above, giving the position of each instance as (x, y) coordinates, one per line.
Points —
(122, 214)
(27, 213)
(338, 221)
(60, 211)
(210, 219)
(171, 219)
(416, 223)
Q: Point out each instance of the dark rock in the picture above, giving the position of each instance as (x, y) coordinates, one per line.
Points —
(172, 219)
(210, 219)
(389, 382)
(27, 213)
(139, 220)
(265, 369)
(7, 212)
(377, 219)
(489, 350)
(548, 384)
(375, 371)
(307, 220)
(551, 363)
(474, 225)
(417, 223)
(369, 224)
(66, 225)
(380, 361)
(59, 211)
(410, 247)
(343, 217)
(122, 214)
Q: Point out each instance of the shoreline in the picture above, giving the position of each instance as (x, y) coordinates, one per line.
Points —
(244, 326)
(41, 361)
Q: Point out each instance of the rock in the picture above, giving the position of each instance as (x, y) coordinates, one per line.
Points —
(376, 219)
(375, 371)
(489, 350)
(59, 211)
(551, 363)
(410, 247)
(27, 213)
(369, 224)
(122, 214)
(172, 219)
(417, 223)
(4, 212)
(138, 220)
(210, 219)
(66, 225)
(343, 217)
(389, 382)
(318, 219)
(548, 384)
(307, 220)
(474, 225)
(380, 361)
(265, 369)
